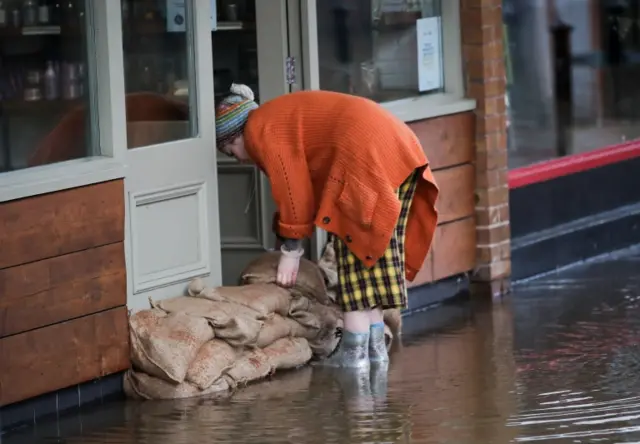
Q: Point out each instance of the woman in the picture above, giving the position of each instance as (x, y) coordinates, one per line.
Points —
(344, 164)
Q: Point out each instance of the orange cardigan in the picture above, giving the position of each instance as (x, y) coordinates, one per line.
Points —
(335, 161)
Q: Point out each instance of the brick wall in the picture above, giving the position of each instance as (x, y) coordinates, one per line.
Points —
(482, 46)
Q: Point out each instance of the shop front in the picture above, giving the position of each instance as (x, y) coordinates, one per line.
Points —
(574, 138)
(112, 192)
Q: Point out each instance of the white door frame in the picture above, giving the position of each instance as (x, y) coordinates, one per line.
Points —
(293, 24)
(303, 46)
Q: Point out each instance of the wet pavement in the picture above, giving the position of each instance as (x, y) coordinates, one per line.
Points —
(558, 362)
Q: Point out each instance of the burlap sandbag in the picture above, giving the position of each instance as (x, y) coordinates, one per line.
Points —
(288, 353)
(212, 360)
(297, 330)
(251, 366)
(309, 283)
(393, 320)
(163, 345)
(301, 310)
(139, 385)
(237, 324)
(266, 299)
(273, 329)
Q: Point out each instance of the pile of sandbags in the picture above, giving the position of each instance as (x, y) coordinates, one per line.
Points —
(216, 339)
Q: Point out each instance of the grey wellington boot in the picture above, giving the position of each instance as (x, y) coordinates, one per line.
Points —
(379, 378)
(377, 345)
(352, 352)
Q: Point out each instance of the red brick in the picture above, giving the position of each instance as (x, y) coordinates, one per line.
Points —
(493, 215)
(493, 234)
(492, 271)
(491, 178)
(491, 197)
(488, 253)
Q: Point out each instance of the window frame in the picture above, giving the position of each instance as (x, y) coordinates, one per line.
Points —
(105, 43)
(418, 107)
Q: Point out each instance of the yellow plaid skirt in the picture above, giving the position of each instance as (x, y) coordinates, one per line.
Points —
(383, 285)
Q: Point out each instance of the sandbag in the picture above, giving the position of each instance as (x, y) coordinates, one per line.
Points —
(326, 340)
(266, 299)
(393, 320)
(275, 328)
(139, 385)
(164, 345)
(297, 330)
(288, 353)
(300, 310)
(237, 324)
(212, 360)
(309, 283)
(328, 266)
(251, 366)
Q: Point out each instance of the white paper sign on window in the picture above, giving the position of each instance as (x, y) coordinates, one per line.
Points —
(430, 74)
(176, 16)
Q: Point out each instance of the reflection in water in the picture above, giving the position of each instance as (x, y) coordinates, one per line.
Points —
(559, 363)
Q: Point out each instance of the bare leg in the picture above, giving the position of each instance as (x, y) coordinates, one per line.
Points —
(357, 321)
(376, 316)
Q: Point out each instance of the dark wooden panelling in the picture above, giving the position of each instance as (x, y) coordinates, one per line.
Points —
(447, 140)
(456, 199)
(63, 355)
(454, 248)
(61, 288)
(59, 223)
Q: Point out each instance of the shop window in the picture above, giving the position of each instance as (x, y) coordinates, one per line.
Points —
(384, 50)
(47, 83)
(159, 64)
(572, 70)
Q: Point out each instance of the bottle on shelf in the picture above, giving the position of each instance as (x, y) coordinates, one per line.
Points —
(3, 15)
(43, 13)
(51, 83)
(16, 18)
(29, 13)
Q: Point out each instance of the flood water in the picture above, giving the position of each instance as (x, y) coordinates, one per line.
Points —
(559, 362)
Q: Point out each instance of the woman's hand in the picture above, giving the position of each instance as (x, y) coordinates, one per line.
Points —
(288, 266)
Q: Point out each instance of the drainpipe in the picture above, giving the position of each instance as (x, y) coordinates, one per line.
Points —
(563, 93)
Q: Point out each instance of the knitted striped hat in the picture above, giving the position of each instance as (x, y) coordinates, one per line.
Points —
(232, 113)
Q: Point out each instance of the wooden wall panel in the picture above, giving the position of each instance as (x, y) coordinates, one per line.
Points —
(63, 315)
(447, 140)
(452, 252)
(57, 289)
(457, 186)
(59, 223)
(63, 355)
(454, 248)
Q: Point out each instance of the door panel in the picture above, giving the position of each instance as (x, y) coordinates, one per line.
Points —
(246, 205)
(172, 188)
